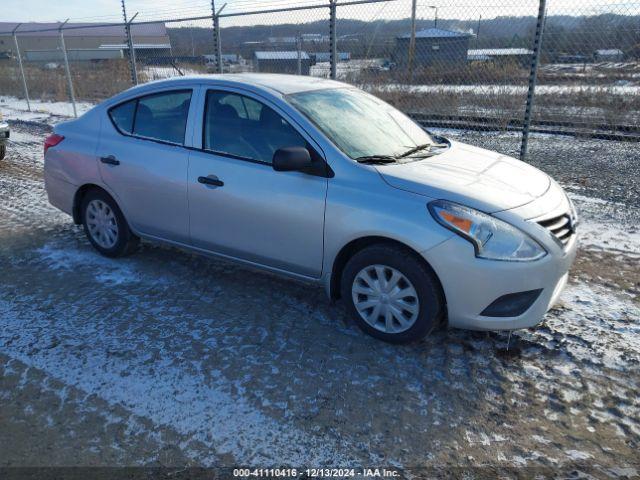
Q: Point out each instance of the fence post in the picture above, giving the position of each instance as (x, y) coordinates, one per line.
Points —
(412, 41)
(333, 39)
(132, 53)
(217, 47)
(67, 69)
(533, 78)
(299, 50)
(218, 44)
(24, 79)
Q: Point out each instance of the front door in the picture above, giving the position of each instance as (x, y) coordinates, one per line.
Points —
(238, 205)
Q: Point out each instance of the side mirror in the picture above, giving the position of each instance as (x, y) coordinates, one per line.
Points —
(291, 159)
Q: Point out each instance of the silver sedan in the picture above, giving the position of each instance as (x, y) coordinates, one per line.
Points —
(321, 181)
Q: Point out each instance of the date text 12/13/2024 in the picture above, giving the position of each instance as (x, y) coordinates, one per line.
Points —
(316, 472)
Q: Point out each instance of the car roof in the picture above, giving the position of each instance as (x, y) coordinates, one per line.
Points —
(280, 83)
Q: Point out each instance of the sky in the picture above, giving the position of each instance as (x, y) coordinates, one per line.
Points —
(110, 10)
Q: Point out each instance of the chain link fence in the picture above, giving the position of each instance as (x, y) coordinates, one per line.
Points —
(590, 67)
(452, 64)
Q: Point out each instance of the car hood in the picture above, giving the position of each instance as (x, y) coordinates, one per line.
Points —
(475, 177)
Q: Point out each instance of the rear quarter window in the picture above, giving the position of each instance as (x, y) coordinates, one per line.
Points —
(122, 115)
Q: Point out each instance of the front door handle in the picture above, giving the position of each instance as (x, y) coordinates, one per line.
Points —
(211, 180)
(110, 160)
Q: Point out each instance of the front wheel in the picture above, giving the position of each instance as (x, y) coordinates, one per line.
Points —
(3, 150)
(105, 226)
(391, 294)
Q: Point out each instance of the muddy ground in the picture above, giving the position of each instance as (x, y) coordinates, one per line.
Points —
(169, 359)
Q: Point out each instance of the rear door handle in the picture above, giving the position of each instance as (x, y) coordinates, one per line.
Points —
(110, 160)
(211, 180)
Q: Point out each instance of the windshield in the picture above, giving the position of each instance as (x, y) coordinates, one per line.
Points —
(360, 124)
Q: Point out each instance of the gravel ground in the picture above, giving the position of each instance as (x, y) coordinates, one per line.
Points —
(169, 359)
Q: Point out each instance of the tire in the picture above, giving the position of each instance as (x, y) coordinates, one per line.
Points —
(415, 301)
(3, 150)
(105, 226)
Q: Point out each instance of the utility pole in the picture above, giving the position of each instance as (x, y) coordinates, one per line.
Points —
(299, 42)
(478, 30)
(412, 40)
(67, 69)
(24, 80)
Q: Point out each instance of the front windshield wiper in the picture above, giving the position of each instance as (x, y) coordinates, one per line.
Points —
(376, 159)
(421, 147)
(382, 159)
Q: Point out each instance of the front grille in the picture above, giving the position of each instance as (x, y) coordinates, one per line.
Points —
(560, 227)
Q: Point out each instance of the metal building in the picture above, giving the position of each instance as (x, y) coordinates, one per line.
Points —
(326, 56)
(148, 39)
(521, 56)
(434, 46)
(608, 55)
(282, 62)
(72, 54)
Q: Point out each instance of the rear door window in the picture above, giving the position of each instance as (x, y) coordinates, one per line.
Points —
(161, 116)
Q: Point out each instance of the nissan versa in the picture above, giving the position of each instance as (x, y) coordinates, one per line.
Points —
(318, 180)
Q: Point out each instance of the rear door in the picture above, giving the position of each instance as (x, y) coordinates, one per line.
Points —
(144, 162)
(250, 211)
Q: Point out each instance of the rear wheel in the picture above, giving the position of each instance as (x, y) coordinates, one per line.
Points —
(105, 226)
(391, 294)
(3, 150)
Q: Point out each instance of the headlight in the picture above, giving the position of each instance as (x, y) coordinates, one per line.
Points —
(492, 238)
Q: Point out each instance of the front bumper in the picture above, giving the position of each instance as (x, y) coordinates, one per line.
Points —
(471, 284)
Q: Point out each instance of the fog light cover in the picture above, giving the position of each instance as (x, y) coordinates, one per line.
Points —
(512, 304)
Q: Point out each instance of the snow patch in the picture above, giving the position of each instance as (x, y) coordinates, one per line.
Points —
(577, 455)
(108, 271)
(609, 326)
(13, 108)
(608, 226)
(198, 404)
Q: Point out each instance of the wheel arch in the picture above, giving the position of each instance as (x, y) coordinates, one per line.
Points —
(79, 195)
(358, 244)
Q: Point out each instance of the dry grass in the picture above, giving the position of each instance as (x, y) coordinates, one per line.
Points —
(589, 107)
(501, 107)
(148, 73)
(500, 100)
(485, 73)
(605, 73)
(97, 81)
(91, 81)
